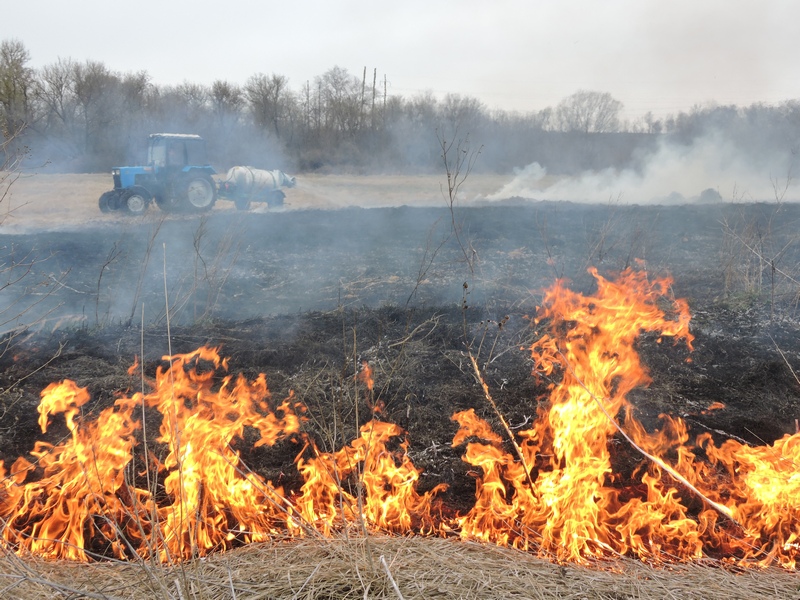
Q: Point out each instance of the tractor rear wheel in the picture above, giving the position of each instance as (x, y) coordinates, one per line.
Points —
(199, 191)
(136, 200)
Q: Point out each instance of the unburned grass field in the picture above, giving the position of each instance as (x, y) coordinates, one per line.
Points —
(49, 201)
(377, 273)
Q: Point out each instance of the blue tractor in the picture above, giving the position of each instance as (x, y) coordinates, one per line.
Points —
(177, 177)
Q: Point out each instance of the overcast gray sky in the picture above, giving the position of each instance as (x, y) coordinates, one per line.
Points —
(653, 55)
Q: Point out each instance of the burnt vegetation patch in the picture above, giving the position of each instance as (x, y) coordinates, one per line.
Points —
(308, 298)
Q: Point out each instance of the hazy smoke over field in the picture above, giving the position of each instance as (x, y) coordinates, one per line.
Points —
(673, 173)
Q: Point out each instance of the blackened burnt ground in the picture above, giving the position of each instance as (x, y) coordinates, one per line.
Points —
(306, 296)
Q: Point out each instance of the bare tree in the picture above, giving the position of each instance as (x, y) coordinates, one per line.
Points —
(652, 125)
(16, 86)
(88, 111)
(589, 112)
(462, 113)
(135, 89)
(340, 94)
(10, 164)
(55, 91)
(95, 87)
(195, 98)
(227, 100)
(269, 99)
(422, 109)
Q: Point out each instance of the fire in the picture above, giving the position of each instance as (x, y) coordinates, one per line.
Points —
(571, 506)
(390, 500)
(97, 494)
(94, 494)
(365, 376)
(111, 488)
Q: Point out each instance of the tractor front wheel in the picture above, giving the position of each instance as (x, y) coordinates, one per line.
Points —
(136, 200)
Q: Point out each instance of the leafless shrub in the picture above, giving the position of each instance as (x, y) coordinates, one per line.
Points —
(742, 267)
(459, 159)
(553, 261)
(196, 295)
(111, 258)
(151, 240)
(10, 161)
(21, 298)
(758, 255)
(21, 295)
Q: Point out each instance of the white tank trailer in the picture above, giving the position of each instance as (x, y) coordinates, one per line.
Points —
(245, 185)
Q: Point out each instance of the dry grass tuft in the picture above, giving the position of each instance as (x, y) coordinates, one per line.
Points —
(428, 568)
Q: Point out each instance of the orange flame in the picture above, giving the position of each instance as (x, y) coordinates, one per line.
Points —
(110, 490)
(331, 494)
(365, 375)
(87, 497)
(577, 507)
(712, 407)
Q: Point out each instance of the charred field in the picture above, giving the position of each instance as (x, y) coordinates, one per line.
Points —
(308, 297)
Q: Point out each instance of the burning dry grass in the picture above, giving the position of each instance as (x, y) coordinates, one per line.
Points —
(564, 506)
(386, 567)
(100, 493)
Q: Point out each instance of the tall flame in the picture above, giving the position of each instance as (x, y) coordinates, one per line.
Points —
(111, 489)
(572, 506)
(91, 496)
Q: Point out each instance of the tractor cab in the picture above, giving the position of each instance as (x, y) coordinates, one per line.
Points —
(176, 151)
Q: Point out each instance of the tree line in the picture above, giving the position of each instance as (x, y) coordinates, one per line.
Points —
(83, 116)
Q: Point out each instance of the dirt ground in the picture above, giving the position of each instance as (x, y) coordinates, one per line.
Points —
(47, 201)
(392, 277)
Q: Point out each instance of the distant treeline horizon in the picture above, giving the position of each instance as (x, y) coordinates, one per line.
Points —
(75, 116)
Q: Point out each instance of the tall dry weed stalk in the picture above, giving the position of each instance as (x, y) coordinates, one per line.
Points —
(151, 240)
(458, 158)
(759, 257)
(198, 294)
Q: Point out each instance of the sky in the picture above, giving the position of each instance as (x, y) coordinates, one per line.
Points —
(660, 56)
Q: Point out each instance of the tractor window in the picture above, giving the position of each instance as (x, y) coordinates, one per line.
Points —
(176, 152)
(157, 154)
(196, 153)
(176, 156)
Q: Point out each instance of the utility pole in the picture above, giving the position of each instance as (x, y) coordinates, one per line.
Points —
(308, 106)
(361, 108)
(319, 106)
(372, 110)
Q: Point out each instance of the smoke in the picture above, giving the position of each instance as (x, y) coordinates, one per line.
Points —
(711, 168)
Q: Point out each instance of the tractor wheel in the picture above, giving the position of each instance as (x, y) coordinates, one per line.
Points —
(241, 203)
(136, 200)
(105, 201)
(200, 191)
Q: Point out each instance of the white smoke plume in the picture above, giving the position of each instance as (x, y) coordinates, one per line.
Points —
(712, 168)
